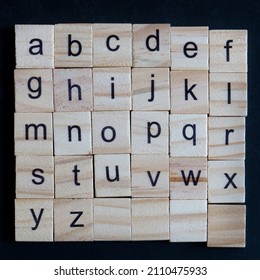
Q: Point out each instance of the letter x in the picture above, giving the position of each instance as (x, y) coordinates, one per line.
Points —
(230, 180)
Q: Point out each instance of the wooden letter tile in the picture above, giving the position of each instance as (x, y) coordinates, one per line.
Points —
(112, 45)
(34, 46)
(73, 177)
(112, 219)
(188, 220)
(226, 225)
(226, 138)
(189, 48)
(151, 89)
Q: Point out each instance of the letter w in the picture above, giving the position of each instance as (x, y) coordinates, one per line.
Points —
(190, 177)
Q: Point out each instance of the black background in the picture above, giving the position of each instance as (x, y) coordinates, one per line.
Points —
(215, 14)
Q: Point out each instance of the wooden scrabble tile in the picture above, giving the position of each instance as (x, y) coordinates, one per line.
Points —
(151, 45)
(34, 220)
(226, 225)
(34, 46)
(73, 45)
(226, 138)
(34, 177)
(151, 89)
(112, 175)
(111, 132)
(33, 90)
(150, 132)
(112, 45)
(189, 48)
(73, 90)
(226, 181)
(228, 50)
(150, 175)
(150, 219)
(73, 177)
(73, 219)
(72, 133)
(112, 89)
(228, 94)
(112, 219)
(33, 134)
(188, 135)
(188, 178)
(188, 220)
(189, 92)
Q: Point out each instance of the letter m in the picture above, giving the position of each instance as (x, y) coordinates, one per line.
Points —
(187, 179)
(35, 129)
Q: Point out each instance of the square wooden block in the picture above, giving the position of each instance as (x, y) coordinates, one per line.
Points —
(150, 219)
(34, 177)
(228, 50)
(112, 45)
(72, 133)
(34, 220)
(33, 90)
(111, 132)
(112, 175)
(73, 177)
(73, 45)
(34, 46)
(188, 220)
(189, 48)
(150, 175)
(189, 92)
(150, 132)
(151, 89)
(188, 135)
(33, 134)
(188, 178)
(226, 181)
(226, 138)
(73, 90)
(73, 219)
(228, 94)
(112, 89)
(151, 45)
(112, 219)
(226, 225)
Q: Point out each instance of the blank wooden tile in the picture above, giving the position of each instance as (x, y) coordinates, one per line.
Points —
(150, 175)
(150, 219)
(34, 46)
(188, 135)
(111, 132)
(189, 48)
(188, 178)
(34, 220)
(73, 177)
(73, 45)
(228, 50)
(226, 181)
(112, 45)
(112, 219)
(151, 45)
(151, 89)
(112, 89)
(226, 225)
(228, 94)
(189, 92)
(226, 138)
(150, 132)
(33, 90)
(72, 133)
(73, 219)
(112, 175)
(188, 220)
(73, 90)
(33, 134)
(34, 177)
